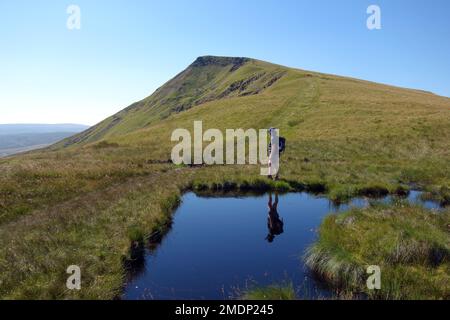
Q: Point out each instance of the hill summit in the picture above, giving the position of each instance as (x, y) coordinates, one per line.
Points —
(254, 93)
(207, 79)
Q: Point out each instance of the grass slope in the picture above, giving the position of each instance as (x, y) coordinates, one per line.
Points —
(207, 79)
(411, 246)
(76, 201)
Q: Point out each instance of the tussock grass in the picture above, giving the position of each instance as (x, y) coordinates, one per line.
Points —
(136, 234)
(169, 204)
(272, 292)
(101, 232)
(409, 243)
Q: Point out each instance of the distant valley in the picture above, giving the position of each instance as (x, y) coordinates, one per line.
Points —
(17, 138)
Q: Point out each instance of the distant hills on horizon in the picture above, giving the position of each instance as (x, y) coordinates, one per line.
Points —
(14, 128)
(17, 138)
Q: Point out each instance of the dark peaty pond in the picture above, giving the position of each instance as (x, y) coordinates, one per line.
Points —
(218, 247)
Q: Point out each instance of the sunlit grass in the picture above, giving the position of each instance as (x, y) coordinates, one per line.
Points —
(272, 292)
(409, 243)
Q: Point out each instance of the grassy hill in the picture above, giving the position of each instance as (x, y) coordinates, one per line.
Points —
(343, 133)
(85, 199)
(207, 79)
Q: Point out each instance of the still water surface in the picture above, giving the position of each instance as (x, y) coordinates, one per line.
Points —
(218, 247)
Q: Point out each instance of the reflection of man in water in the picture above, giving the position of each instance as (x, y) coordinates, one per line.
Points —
(274, 223)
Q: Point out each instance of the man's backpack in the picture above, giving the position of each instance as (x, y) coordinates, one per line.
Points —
(281, 145)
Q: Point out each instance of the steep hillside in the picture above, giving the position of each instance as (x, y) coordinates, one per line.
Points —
(326, 106)
(206, 79)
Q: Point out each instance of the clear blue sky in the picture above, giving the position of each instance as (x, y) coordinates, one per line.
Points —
(126, 49)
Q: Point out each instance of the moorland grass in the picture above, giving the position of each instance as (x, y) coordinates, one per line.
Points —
(96, 232)
(409, 243)
(272, 292)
